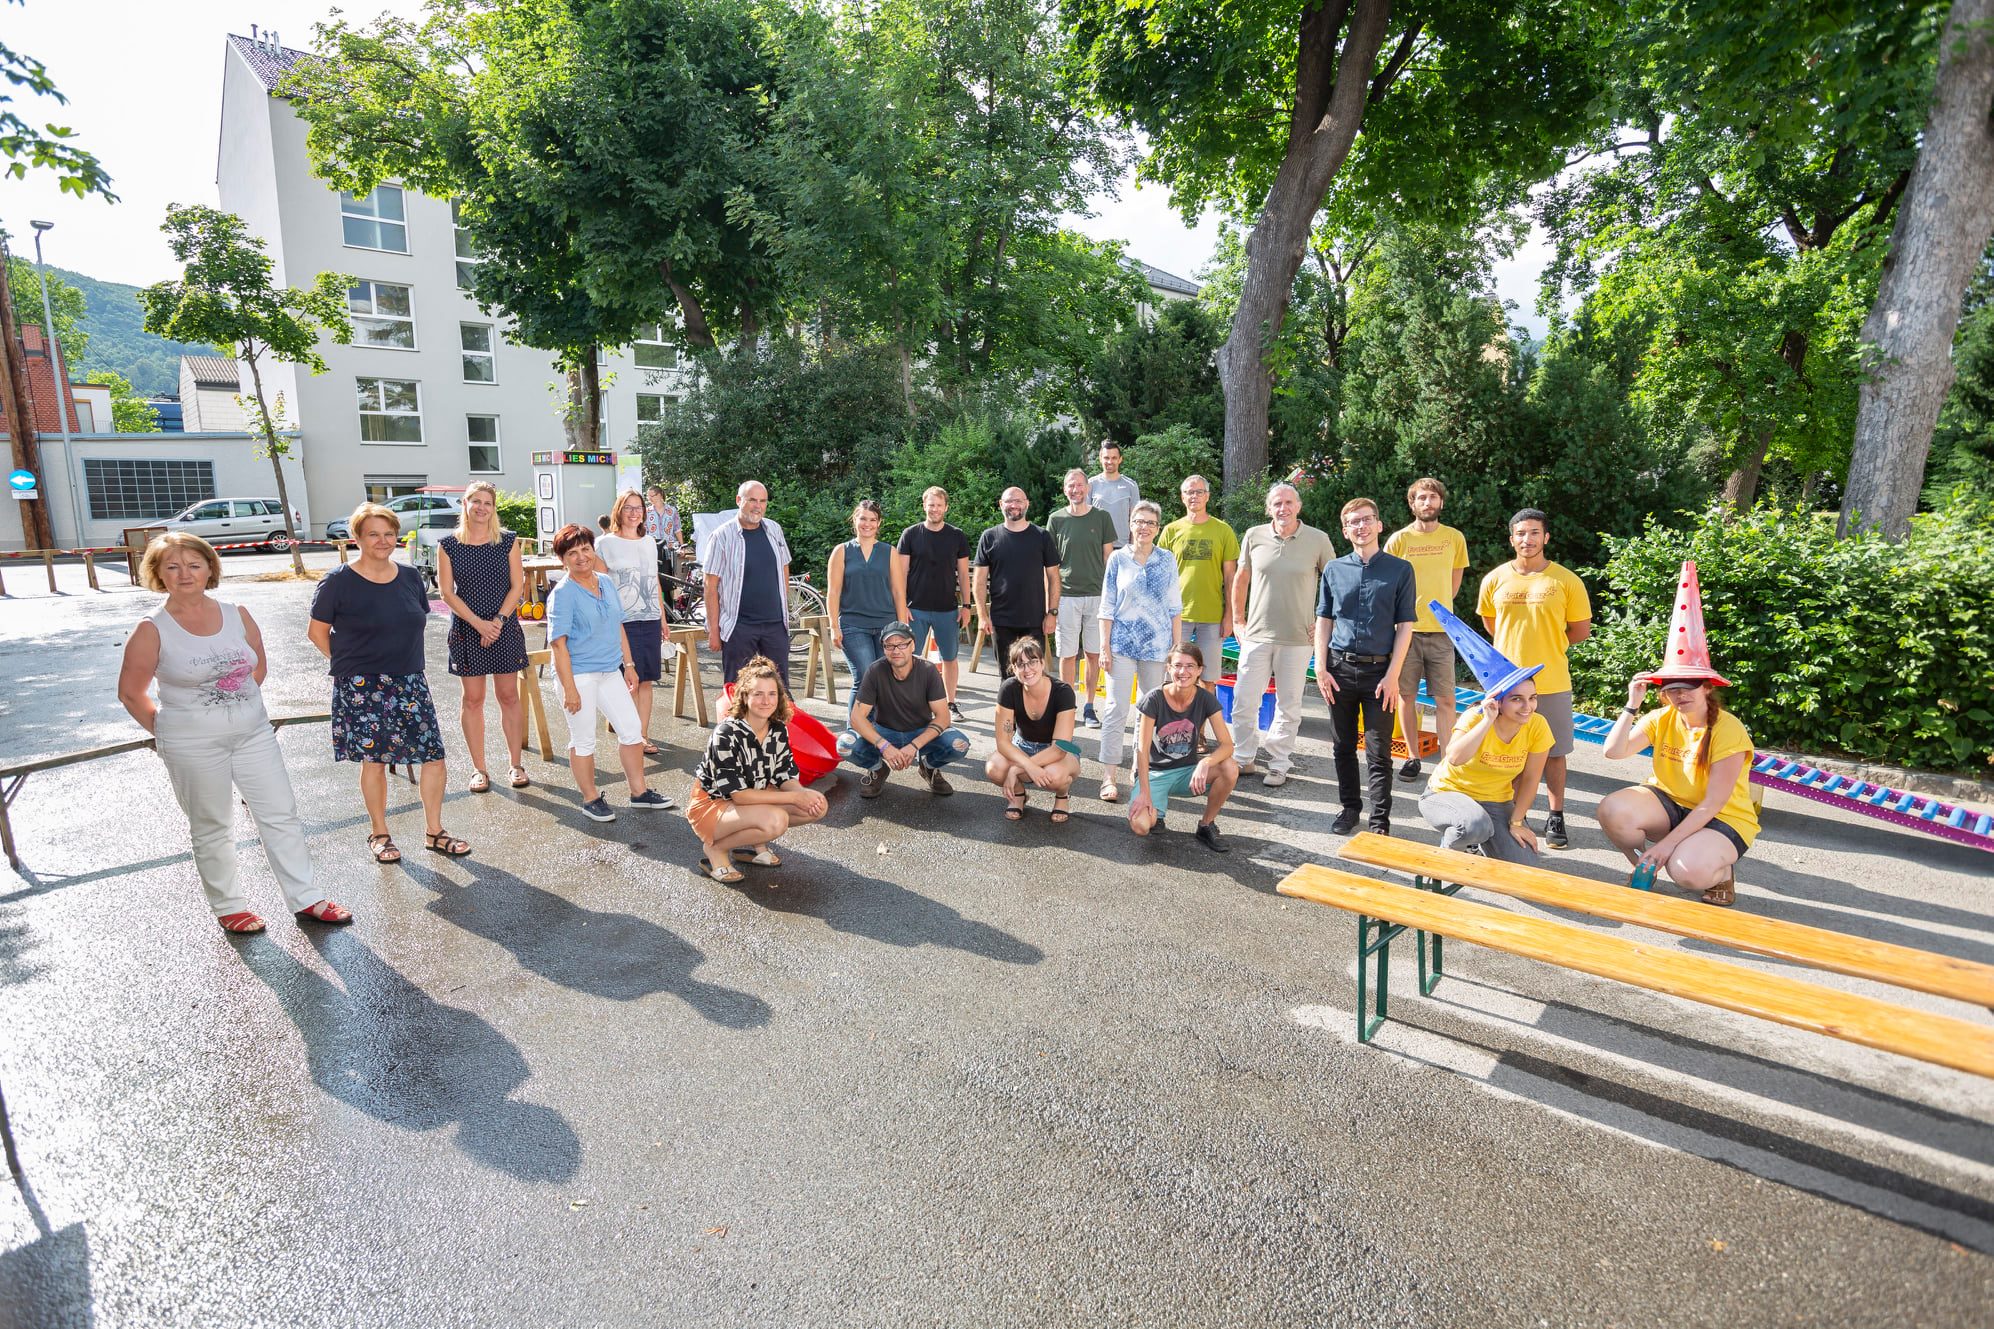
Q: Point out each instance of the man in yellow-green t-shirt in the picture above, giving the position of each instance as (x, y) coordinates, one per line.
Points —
(1207, 554)
(1535, 611)
(1439, 557)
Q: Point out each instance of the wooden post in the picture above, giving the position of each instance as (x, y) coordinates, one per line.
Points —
(536, 705)
(340, 545)
(48, 562)
(3, 578)
(90, 568)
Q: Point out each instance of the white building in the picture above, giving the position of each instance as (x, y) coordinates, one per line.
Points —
(209, 386)
(430, 392)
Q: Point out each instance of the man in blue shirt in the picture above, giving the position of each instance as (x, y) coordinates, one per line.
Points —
(747, 587)
(1364, 615)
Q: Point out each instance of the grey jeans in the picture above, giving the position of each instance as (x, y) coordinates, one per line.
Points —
(1462, 822)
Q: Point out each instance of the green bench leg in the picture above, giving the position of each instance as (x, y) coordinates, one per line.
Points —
(1431, 974)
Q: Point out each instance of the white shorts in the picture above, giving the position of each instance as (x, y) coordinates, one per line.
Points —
(1079, 625)
(610, 695)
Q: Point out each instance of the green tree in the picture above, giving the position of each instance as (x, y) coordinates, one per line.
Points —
(1155, 374)
(1260, 107)
(26, 147)
(1963, 443)
(130, 412)
(225, 296)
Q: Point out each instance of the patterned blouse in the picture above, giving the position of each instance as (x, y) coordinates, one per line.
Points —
(735, 760)
(1141, 599)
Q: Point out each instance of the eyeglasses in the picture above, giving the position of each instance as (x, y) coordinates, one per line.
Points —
(1191, 492)
(1142, 521)
(1358, 523)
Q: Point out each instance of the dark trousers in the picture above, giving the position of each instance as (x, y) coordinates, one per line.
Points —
(753, 639)
(1356, 688)
(1004, 637)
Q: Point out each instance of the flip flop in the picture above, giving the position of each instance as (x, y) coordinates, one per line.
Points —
(481, 783)
(764, 857)
(518, 778)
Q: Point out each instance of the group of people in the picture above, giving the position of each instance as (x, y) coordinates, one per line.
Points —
(1116, 592)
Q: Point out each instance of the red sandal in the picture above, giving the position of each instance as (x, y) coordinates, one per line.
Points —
(326, 911)
(241, 922)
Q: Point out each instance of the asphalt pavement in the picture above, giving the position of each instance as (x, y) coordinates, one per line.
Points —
(936, 1069)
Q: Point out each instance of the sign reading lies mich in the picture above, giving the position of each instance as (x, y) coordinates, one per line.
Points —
(574, 459)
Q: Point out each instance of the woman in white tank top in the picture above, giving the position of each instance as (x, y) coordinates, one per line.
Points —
(211, 730)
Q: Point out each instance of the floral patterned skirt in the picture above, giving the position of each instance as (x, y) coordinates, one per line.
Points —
(384, 717)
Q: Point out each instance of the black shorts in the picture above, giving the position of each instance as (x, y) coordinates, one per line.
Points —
(645, 649)
(1676, 812)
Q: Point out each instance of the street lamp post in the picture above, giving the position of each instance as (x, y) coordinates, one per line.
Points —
(62, 397)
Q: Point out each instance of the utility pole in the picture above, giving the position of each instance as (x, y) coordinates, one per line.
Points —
(19, 401)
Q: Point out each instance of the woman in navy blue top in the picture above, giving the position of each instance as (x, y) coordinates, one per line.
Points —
(368, 618)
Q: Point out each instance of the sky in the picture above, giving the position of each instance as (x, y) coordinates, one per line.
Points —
(147, 101)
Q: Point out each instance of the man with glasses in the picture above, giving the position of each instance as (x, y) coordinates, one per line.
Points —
(900, 718)
(1280, 571)
(1207, 554)
(1535, 612)
(1363, 625)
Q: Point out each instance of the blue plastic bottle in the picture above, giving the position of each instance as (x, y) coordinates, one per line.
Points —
(1643, 878)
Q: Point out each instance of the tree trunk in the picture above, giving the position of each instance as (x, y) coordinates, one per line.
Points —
(275, 447)
(1741, 488)
(691, 313)
(1941, 232)
(582, 421)
(1330, 91)
(35, 530)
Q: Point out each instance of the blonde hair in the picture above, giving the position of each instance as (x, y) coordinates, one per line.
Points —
(754, 671)
(616, 511)
(464, 512)
(366, 512)
(156, 552)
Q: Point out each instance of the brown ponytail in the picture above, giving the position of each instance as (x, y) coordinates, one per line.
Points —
(1716, 708)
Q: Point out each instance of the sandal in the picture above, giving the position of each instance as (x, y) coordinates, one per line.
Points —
(764, 857)
(240, 922)
(1724, 894)
(1110, 793)
(382, 847)
(651, 749)
(1016, 811)
(518, 778)
(325, 911)
(1060, 815)
(444, 843)
(728, 875)
(481, 783)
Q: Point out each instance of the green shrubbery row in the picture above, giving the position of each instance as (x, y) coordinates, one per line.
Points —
(1862, 647)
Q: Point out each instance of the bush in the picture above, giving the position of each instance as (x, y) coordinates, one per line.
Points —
(1859, 646)
(1159, 462)
(977, 456)
(516, 514)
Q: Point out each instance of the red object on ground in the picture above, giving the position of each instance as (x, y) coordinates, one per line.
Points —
(814, 746)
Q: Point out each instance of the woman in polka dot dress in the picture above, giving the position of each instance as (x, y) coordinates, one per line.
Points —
(479, 573)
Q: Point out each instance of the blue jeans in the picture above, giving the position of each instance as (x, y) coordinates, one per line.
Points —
(861, 647)
(938, 752)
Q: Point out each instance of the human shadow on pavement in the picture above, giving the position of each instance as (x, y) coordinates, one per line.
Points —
(46, 1282)
(876, 908)
(379, 1043)
(617, 956)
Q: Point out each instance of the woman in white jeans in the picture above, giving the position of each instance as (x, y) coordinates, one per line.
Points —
(210, 729)
(592, 659)
(1142, 618)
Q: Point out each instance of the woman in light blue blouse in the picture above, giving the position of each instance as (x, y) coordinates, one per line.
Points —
(1142, 618)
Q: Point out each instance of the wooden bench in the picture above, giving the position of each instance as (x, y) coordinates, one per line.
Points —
(1391, 909)
(1818, 948)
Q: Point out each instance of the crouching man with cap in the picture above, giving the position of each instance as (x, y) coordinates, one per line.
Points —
(900, 718)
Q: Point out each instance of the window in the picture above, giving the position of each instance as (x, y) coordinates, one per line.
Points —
(482, 431)
(382, 315)
(653, 350)
(86, 417)
(386, 488)
(374, 221)
(467, 258)
(145, 490)
(651, 406)
(390, 410)
(215, 511)
(248, 508)
(479, 364)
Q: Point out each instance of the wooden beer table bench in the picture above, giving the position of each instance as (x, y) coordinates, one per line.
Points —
(1385, 909)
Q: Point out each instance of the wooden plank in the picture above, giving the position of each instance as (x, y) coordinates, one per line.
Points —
(536, 704)
(1836, 952)
(1939, 1039)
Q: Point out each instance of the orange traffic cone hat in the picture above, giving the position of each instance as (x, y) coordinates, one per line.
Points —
(1686, 658)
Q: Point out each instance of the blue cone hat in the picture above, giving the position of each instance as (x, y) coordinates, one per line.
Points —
(1495, 673)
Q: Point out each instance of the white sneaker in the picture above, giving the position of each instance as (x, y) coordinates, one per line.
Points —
(1274, 779)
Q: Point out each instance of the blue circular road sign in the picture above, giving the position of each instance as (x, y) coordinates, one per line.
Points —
(21, 480)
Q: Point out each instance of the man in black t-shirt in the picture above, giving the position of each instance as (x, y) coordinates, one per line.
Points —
(1017, 578)
(900, 718)
(931, 585)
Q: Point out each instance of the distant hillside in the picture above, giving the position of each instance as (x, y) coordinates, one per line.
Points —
(119, 341)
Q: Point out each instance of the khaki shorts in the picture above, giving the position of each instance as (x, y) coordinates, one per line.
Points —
(1556, 708)
(1430, 656)
(1079, 626)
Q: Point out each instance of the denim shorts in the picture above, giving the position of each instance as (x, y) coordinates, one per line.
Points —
(941, 622)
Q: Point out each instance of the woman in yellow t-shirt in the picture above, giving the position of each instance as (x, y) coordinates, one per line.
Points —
(1488, 778)
(1694, 817)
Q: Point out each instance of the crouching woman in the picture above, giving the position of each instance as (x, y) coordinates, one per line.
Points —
(747, 792)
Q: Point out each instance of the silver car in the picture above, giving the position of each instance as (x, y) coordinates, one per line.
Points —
(237, 521)
(412, 511)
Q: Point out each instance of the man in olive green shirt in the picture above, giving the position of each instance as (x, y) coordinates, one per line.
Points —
(1207, 554)
(1274, 597)
(1085, 535)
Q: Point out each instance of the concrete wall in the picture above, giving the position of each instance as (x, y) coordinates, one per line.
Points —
(240, 472)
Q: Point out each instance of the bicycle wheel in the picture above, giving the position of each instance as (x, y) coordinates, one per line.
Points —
(805, 600)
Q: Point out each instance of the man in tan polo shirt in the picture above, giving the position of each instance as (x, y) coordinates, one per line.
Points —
(1274, 598)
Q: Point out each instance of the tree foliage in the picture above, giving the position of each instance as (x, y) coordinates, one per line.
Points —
(1153, 374)
(48, 147)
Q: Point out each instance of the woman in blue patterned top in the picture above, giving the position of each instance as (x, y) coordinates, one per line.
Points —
(1142, 618)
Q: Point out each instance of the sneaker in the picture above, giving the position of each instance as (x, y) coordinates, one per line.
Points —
(650, 799)
(955, 709)
(597, 809)
(873, 781)
(1091, 720)
(1380, 828)
(1346, 821)
(1409, 773)
(1274, 779)
(1208, 836)
(938, 784)
(1554, 831)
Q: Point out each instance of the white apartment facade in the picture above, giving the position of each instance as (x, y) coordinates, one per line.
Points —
(431, 392)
